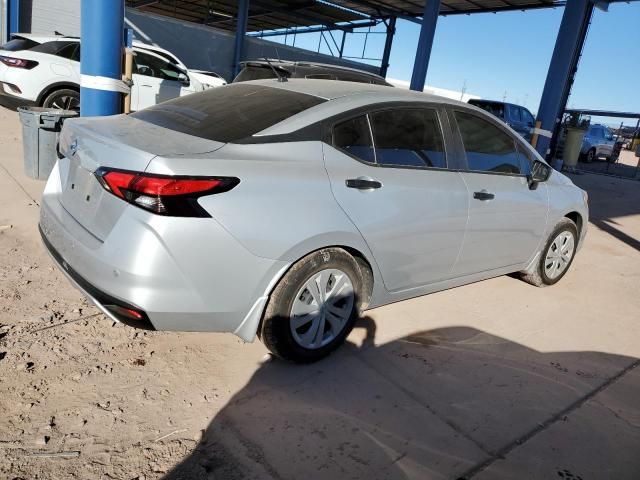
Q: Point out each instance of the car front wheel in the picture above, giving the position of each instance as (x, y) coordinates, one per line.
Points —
(556, 257)
(591, 155)
(314, 306)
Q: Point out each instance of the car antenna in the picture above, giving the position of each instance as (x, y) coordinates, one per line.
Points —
(281, 78)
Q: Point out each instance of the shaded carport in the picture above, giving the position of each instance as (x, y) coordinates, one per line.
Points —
(102, 26)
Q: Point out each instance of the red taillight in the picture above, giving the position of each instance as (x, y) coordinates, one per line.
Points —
(18, 62)
(163, 194)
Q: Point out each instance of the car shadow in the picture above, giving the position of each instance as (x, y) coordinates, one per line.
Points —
(443, 403)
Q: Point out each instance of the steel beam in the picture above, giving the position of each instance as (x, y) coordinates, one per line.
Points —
(391, 31)
(241, 31)
(102, 37)
(425, 42)
(562, 69)
(13, 17)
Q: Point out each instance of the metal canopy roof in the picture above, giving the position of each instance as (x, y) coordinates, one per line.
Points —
(277, 14)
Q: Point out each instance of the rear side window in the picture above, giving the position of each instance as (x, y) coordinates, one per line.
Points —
(493, 108)
(354, 137)
(60, 48)
(408, 138)
(514, 113)
(18, 44)
(527, 117)
(229, 113)
(488, 148)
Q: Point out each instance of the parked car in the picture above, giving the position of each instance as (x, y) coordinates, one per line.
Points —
(283, 209)
(48, 74)
(598, 142)
(273, 68)
(516, 116)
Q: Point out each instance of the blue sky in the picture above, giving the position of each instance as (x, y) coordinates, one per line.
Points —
(509, 53)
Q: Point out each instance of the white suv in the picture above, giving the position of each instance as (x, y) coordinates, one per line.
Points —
(48, 74)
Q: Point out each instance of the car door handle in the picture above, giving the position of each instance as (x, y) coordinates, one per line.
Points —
(483, 195)
(363, 183)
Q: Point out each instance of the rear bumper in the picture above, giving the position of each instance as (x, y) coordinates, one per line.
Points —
(12, 102)
(101, 299)
(183, 274)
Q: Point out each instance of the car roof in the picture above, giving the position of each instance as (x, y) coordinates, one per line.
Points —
(284, 63)
(342, 96)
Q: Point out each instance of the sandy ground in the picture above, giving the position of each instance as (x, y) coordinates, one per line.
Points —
(492, 380)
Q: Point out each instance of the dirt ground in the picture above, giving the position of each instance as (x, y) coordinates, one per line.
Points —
(492, 380)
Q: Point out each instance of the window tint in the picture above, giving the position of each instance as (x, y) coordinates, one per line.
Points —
(151, 66)
(489, 149)
(230, 113)
(252, 72)
(354, 137)
(514, 113)
(494, 108)
(69, 51)
(18, 44)
(166, 56)
(527, 117)
(408, 137)
(53, 48)
(526, 159)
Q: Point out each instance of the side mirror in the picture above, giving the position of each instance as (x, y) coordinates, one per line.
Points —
(183, 78)
(540, 172)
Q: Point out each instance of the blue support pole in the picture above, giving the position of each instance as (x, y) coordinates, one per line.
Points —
(102, 37)
(241, 31)
(563, 66)
(391, 31)
(425, 42)
(13, 17)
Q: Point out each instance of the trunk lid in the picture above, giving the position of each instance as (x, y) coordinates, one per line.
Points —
(118, 142)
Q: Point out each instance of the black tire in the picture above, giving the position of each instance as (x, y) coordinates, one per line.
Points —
(275, 330)
(64, 99)
(539, 277)
(590, 156)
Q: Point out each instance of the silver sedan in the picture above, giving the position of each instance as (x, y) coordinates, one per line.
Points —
(284, 209)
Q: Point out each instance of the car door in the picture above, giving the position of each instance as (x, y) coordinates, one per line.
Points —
(608, 142)
(507, 219)
(388, 171)
(155, 80)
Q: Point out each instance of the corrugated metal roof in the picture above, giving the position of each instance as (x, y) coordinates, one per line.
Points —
(277, 14)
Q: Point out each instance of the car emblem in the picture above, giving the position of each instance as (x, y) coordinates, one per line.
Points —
(73, 148)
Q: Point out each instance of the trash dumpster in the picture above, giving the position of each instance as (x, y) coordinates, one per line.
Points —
(40, 130)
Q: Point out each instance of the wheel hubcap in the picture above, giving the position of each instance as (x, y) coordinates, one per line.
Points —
(559, 255)
(321, 308)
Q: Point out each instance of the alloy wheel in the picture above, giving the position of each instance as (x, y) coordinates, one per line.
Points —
(65, 102)
(322, 308)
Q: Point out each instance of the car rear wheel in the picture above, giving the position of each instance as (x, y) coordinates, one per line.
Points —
(556, 257)
(314, 306)
(63, 99)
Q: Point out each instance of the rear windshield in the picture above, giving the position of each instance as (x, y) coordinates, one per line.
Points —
(253, 72)
(18, 44)
(55, 47)
(494, 108)
(228, 114)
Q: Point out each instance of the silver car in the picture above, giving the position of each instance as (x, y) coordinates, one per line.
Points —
(284, 209)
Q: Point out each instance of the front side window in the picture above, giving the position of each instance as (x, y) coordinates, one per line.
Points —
(408, 138)
(354, 137)
(229, 113)
(151, 66)
(488, 148)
